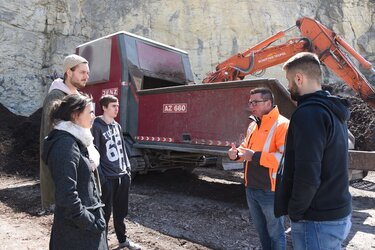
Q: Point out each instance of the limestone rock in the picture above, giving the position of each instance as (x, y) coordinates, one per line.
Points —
(36, 35)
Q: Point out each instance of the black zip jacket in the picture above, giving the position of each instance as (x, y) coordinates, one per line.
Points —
(78, 218)
(313, 183)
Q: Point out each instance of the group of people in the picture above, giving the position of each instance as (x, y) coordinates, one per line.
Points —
(298, 168)
(85, 171)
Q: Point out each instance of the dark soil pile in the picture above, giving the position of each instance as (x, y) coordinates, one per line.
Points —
(19, 135)
(362, 125)
(19, 142)
(362, 117)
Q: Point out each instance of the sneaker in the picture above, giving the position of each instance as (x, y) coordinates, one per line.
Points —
(130, 245)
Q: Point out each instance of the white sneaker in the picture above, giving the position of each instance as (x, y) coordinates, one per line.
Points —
(130, 245)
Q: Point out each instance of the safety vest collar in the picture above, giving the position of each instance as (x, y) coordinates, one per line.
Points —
(269, 119)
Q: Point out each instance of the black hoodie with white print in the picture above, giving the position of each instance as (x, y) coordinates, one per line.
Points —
(114, 162)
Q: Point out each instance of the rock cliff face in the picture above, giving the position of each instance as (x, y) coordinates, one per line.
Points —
(35, 35)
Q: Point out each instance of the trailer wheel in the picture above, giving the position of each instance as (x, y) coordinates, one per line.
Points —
(138, 164)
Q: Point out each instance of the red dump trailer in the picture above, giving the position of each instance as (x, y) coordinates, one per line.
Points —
(168, 120)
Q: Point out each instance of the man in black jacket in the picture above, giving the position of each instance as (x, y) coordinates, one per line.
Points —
(312, 185)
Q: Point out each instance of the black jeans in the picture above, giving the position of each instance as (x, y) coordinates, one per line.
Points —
(115, 196)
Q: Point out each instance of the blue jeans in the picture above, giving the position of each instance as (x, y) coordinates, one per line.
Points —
(270, 229)
(319, 235)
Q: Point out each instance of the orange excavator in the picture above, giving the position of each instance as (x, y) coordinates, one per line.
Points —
(315, 38)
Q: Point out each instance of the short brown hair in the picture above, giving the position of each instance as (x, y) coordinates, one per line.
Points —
(306, 62)
(265, 92)
(107, 99)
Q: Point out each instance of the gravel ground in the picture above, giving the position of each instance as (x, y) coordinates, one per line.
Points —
(172, 210)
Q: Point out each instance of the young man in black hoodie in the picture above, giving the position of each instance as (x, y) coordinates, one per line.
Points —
(312, 185)
(114, 168)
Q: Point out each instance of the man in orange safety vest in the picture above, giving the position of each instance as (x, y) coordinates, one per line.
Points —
(262, 151)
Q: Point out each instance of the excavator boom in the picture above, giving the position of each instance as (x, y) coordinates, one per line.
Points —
(315, 38)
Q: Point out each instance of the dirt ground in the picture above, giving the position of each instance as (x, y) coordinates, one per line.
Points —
(171, 210)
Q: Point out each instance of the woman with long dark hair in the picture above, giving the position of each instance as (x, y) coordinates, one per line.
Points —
(69, 153)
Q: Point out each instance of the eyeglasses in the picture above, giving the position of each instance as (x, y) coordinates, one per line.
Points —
(255, 102)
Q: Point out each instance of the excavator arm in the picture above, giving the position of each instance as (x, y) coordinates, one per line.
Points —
(315, 38)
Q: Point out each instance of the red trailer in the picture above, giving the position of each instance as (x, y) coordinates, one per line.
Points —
(168, 120)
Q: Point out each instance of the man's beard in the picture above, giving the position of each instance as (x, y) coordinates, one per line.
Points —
(294, 94)
(78, 84)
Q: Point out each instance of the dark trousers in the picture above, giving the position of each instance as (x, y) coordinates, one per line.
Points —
(115, 196)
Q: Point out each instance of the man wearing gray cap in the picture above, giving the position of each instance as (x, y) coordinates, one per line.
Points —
(76, 74)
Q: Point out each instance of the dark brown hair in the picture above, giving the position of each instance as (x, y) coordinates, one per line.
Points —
(107, 99)
(63, 110)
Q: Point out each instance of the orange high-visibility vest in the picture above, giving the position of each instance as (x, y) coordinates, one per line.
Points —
(269, 138)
